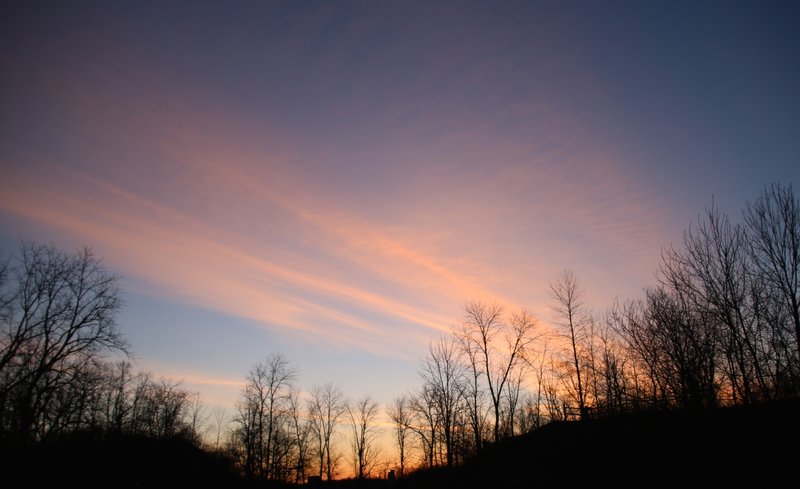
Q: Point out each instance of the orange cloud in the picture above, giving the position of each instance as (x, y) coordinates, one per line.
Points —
(178, 255)
(219, 214)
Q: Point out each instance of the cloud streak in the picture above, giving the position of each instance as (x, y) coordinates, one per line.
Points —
(177, 255)
(318, 270)
(346, 180)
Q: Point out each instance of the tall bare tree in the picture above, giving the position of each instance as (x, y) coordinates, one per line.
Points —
(512, 398)
(248, 432)
(685, 348)
(773, 230)
(219, 424)
(443, 374)
(615, 365)
(363, 415)
(326, 408)
(571, 316)
(474, 393)
(713, 270)
(399, 412)
(301, 431)
(426, 422)
(118, 396)
(499, 346)
(536, 360)
(265, 399)
(198, 416)
(280, 377)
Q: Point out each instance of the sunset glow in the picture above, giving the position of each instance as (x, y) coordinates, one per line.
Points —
(335, 181)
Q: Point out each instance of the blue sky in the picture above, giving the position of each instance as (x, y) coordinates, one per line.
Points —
(333, 180)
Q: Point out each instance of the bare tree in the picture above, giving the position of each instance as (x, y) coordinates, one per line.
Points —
(400, 414)
(572, 317)
(363, 414)
(58, 312)
(443, 376)
(614, 378)
(685, 343)
(326, 408)
(713, 270)
(301, 429)
(551, 394)
(198, 416)
(166, 406)
(74, 402)
(499, 347)
(426, 422)
(248, 432)
(118, 396)
(629, 321)
(219, 424)
(773, 231)
(156, 408)
(138, 396)
(280, 376)
(265, 396)
(512, 398)
(590, 361)
(474, 393)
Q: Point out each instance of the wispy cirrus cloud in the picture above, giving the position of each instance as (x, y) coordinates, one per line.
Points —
(211, 265)
(367, 218)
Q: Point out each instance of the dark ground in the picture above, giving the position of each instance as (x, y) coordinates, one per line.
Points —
(740, 446)
(87, 461)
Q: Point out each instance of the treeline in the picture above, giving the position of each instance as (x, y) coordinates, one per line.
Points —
(720, 327)
(278, 434)
(56, 374)
(723, 324)
(471, 392)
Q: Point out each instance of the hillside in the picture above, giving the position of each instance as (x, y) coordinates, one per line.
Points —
(744, 445)
(83, 460)
(737, 445)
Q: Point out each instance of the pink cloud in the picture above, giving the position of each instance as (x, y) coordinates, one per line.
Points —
(179, 256)
(236, 215)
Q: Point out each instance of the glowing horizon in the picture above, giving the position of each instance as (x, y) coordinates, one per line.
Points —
(336, 182)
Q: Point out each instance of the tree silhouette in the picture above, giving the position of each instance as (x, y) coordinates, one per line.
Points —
(474, 394)
(712, 270)
(426, 423)
(721, 327)
(399, 412)
(363, 414)
(498, 347)
(443, 377)
(326, 407)
(570, 311)
(261, 416)
(301, 429)
(773, 230)
(218, 426)
(58, 315)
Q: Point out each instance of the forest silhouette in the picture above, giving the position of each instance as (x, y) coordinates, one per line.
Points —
(695, 381)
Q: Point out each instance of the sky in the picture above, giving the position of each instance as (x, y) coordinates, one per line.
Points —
(333, 181)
